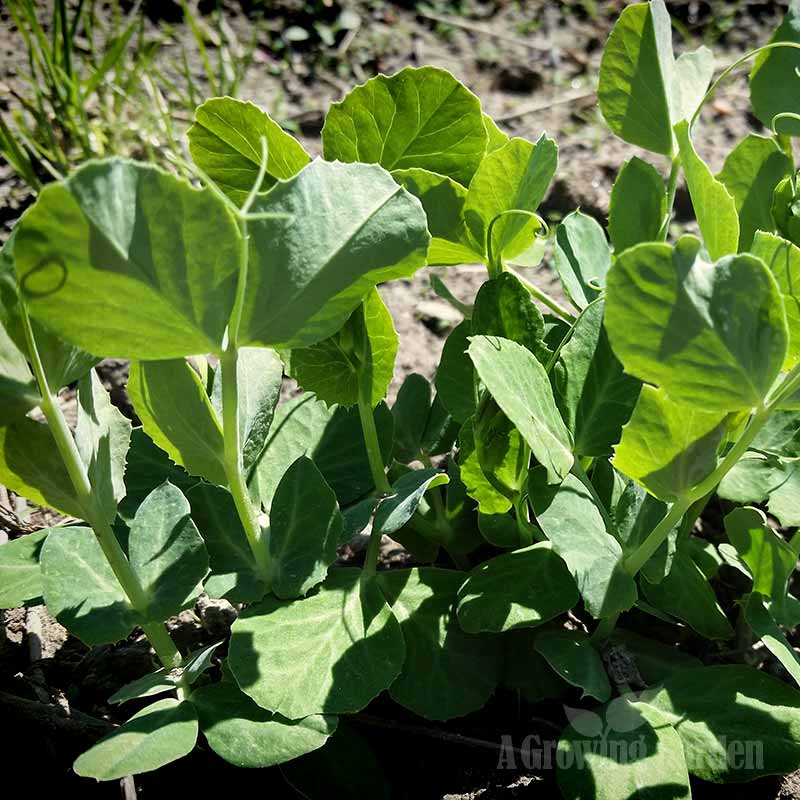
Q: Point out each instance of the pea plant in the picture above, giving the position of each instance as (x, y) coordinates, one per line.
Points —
(547, 483)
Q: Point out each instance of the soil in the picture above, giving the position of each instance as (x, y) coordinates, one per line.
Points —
(534, 66)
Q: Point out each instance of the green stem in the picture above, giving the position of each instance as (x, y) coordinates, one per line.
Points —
(544, 298)
(580, 473)
(648, 547)
(117, 559)
(373, 446)
(672, 188)
(604, 629)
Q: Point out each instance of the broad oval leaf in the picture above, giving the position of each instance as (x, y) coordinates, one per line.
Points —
(81, 590)
(455, 375)
(157, 256)
(460, 670)
(582, 258)
(522, 589)
(699, 330)
(20, 574)
(419, 117)
(248, 736)
(332, 652)
(644, 759)
(225, 142)
(638, 205)
(407, 492)
(713, 708)
(521, 387)
(158, 735)
(574, 658)
(309, 271)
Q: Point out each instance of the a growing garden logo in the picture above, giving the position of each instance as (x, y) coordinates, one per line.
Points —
(620, 732)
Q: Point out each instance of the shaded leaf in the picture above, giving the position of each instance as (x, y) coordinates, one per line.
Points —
(574, 658)
(20, 575)
(638, 205)
(582, 258)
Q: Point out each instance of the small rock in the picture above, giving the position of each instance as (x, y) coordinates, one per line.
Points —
(216, 616)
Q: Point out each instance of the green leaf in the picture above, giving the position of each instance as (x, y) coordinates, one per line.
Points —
(305, 530)
(485, 492)
(455, 376)
(234, 572)
(633, 753)
(158, 735)
(513, 178)
(20, 575)
(713, 708)
(248, 736)
(410, 412)
(769, 559)
(636, 74)
(80, 589)
(691, 78)
(461, 670)
(638, 205)
(364, 350)
(574, 658)
(332, 438)
(763, 623)
(772, 89)
(785, 210)
(686, 594)
(593, 393)
(103, 437)
(311, 270)
(501, 530)
(716, 331)
(157, 256)
(419, 117)
(259, 375)
(407, 492)
(521, 387)
(225, 142)
(443, 200)
(714, 206)
(176, 413)
(654, 660)
(18, 390)
(669, 447)
(504, 307)
(751, 173)
(522, 589)
(783, 261)
(582, 258)
(497, 138)
(572, 521)
(31, 466)
(167, 553)
(501, 452)
(526, 672)
(332, 652)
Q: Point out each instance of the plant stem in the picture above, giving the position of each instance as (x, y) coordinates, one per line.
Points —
(604, 629)
(117, 559)
(672, 188)
(544, 298)
(373, 446)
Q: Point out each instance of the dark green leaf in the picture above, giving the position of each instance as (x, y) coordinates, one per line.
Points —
(572, 656)
(455, 376)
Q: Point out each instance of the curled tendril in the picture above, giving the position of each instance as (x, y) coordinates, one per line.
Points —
(783, 115)
(542, 232)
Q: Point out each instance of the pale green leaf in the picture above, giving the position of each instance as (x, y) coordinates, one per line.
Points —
(176, 413)
(497, 138)
(225, 142)
(159, 258)
(167, 553)
(699, 330)
(102, 435)
(419, 117)
(521, 387)
(751, 173)
(305, 530)
(690, 80)
(669, 447)
(764, 626)
(522, 589)
(713, 204)
(81, 590)
(714, 707)
(595, 396)
(634, 753)
(20, 574)
(460, 670)
(154, 737)
(490, 499)
(332, 652)
(638, 205)
(18, 390)
(248, 736)
(582, 258)
(309, 271)
(572, 521)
